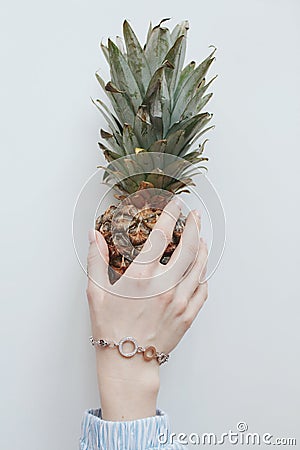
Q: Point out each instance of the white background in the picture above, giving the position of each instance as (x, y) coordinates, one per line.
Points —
(240, 360)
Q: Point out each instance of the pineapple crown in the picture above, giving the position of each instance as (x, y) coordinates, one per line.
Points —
(157, 105)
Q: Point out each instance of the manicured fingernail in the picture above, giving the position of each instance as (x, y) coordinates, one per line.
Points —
(197, 212)
(92, 236)
(202, 275)
(178, 201)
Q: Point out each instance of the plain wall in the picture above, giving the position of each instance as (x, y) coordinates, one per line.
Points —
(240, 360)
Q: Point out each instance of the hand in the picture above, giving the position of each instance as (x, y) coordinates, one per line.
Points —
(174, 296)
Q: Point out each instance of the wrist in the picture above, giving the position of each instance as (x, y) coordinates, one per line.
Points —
(128, 387)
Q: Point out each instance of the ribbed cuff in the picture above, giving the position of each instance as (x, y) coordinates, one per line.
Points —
(140, 434)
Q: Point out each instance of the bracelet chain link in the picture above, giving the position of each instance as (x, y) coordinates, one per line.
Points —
(148, 352)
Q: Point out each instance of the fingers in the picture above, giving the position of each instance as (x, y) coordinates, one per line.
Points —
(196, 274)
(158, 240)
(195, 304)
(97, 260)
(186, 252)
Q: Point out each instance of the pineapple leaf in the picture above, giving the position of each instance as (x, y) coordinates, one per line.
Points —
(174, 186)
(119, 169)
(143, 130)
(187, 125)
(130, 141)
(190, 86)
(196, 104)
(100, 81)
(202, 146)
(110, 87)
(174, 142)
(194, 157)
(109, 154)
(148, 34)
(158, 146)
(175, 56)
(157, 178)
(123, 78)
(120, 44)
(110, 174)
(197, 136)
(192, 128)
(185, 73)
(136, 58)
(157, 46)
(179, 29)
(105, 51)
(105, 134)
(177, 168)
(157, 102)
(110, 119)
(119, 103)
(111, 140)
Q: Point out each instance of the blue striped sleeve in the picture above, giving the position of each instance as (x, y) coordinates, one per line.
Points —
(151, 433)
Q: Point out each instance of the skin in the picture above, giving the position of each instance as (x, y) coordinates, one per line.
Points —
(128, 387)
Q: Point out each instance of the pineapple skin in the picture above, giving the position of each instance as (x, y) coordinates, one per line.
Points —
(127, 227)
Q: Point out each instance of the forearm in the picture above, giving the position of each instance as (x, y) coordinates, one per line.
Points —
(128, 387)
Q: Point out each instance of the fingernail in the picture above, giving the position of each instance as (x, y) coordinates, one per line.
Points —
(202, 277)
(203, 242)
(197, 216)
(92, 236)
(178, 201)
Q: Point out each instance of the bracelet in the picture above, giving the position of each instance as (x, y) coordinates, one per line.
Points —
(149, 352)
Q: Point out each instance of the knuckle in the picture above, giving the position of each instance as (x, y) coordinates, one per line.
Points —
(168, 235)
(91, 290)
(92, 258)
(180, 306)
(167, 297)
(140, 273)
(89, 293)
(205, 291)
(200, 269)
(204, 251)
(161, 234)
(190, 248)
(187, 320)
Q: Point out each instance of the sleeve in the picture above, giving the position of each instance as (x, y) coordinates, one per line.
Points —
(151, 433)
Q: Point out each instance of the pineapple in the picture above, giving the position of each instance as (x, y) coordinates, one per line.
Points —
(155, 122)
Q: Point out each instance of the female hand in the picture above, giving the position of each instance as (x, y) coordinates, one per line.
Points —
(151, 302)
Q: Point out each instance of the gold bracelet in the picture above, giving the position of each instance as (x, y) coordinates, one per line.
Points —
(148, 352)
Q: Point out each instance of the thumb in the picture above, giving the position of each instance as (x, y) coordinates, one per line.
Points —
(98, 258)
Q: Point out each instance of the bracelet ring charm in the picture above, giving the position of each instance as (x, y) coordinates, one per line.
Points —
(148, 352)
(122, 342)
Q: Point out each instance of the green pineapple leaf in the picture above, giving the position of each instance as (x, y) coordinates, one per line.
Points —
(123, 78)
(136, 58)
(130, 141)
(157, 103)
(196, 104)
(175, 56)
(190, 86)
(185, 73)
(179, 29)
(157, 46)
